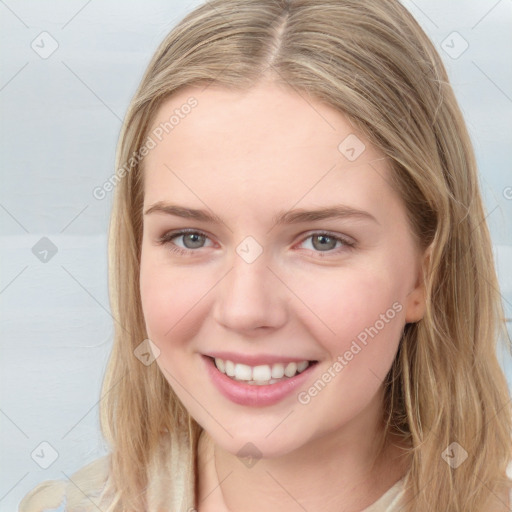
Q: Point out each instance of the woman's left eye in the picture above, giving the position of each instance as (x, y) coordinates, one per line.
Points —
(321, 242)
(325, 242)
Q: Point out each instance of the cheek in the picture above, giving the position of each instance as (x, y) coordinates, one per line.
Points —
(364, 314)
(169, 300)
(356, 305)
(163, 305)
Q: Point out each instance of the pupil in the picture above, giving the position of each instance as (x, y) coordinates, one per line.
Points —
(322, 239)
(196, 238)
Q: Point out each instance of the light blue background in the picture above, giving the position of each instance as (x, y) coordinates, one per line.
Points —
(60, 120)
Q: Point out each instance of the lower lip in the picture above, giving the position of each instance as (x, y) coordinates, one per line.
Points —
(254, 395)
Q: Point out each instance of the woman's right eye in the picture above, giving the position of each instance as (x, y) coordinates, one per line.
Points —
(191, 239)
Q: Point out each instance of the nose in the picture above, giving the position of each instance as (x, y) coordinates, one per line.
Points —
(251, 297)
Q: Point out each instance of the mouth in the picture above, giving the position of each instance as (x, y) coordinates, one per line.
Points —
(262, 374)
(257, 386)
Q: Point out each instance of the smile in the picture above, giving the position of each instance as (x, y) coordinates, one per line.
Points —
(260, 375)
(257, 386)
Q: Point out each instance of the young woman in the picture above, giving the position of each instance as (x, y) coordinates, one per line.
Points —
(302, 276)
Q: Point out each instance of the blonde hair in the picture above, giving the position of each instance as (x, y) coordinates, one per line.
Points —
(373, 62)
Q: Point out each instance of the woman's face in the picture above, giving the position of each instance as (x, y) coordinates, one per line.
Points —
(258, 281)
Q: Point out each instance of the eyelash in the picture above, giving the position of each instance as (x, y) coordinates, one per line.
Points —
(167, 238)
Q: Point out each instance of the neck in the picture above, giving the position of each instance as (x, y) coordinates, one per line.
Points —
(348, 469)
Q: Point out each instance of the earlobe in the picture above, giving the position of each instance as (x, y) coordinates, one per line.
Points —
(416, 299)
(415, 306)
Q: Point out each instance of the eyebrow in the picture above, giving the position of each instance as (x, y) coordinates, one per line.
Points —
(295, 216)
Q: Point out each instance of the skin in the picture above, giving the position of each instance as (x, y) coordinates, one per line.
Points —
(245, 156)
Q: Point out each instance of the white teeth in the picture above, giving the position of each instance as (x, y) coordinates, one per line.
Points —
(290, 370)
(302, 366)
(262, 374)
(262, 382)
(277, 371)
(220, 365)
(229, 368)
(243, 372)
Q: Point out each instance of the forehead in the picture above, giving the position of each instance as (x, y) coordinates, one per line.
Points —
(261, 146)
(268, 117)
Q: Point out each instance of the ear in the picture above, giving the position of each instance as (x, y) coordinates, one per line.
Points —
(416, 300)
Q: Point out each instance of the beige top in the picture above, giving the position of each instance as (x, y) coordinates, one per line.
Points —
(63, 496)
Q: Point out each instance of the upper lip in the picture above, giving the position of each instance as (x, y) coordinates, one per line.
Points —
(255, 359)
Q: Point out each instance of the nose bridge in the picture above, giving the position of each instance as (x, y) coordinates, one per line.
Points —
(250, 295)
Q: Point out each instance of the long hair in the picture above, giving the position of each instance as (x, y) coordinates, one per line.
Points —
(372, 62)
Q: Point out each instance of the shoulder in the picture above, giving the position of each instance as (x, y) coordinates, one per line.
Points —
(80, 491)
(170, 474)
(48, 496)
